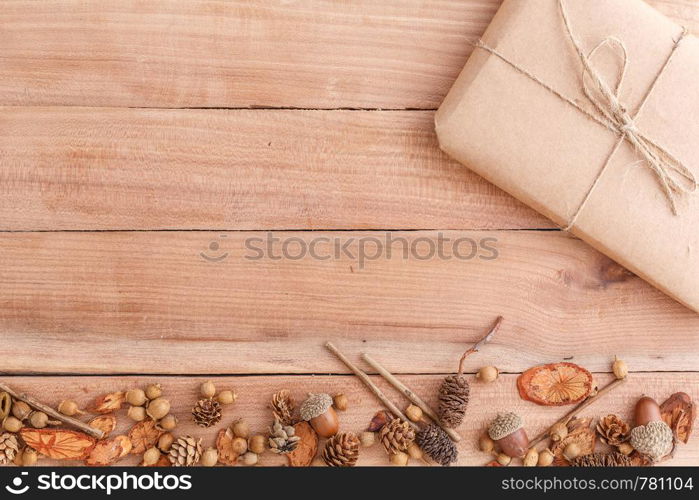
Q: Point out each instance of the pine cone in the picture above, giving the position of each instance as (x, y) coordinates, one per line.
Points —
(282, 439)
(396, 436)
(8, 448)
(283, 407)
(612, 430)
(185, 451)
(453, 400)
(207, 412)
(613, 459)
(341, 450)
(437, 444)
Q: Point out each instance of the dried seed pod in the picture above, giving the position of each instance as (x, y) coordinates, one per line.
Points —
(226, 397)
(414, 413)
(241, 429)
(507, 431)
(39, 420)
(165, 441)
(340, 402)
(158, 408)
(12, 424)
(168, 422)
(488, 374)
(437, 444)
(154, 391)
(136, 413)
(136, 397)
(318, 411)
(21, 410)
(209, 458)
(5, 405)
(256, 444)
(151, 457)
(453, 400)
(619, 368)
(558, 431)
(368, 439)
(208, 389)
(283, 405)
(486, 444)
(531, 459)
(399, 459)
(546, 458)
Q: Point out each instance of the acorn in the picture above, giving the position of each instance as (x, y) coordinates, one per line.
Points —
(319, 412)
(531, 459)
(29, 457)
(507, 431)
(558, 431)
(21, 410)
(168, 422)
(488, 374)
(399, 459)
(154, 391)
(137, 413)
(151, 456)
(256, 444)
(165, 442)
(136, 397)
(340, 402)
(241, 429)
(414, 413)
(208, 389)
(158, 408)
(69, 408)
(545, 458)
(209, 458)
(226, 397)
(12, 424)
(504, 459)
(619, 368)
(651, 436)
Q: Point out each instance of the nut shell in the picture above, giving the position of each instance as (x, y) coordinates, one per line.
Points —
(503, 425)
(327, 424)
(647, 410)
(516, 444)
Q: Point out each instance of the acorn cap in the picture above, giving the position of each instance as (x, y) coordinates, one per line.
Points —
(504, 425)
(315, 405)
(653, 439)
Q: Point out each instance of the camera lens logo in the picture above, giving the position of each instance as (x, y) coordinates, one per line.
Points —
(214, 247)
(16, 488)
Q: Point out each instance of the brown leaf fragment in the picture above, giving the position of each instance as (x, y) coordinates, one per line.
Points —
(379, 420)
(679, 412)
(583, 436)
(109, 451)
(108, 403)
(144, 435)
(224, 445)
(306, 449)
(105, 423)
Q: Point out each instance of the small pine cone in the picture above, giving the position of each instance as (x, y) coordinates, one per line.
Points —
(207, 412)
(185, 451)
(612, 430)
(613, 459)
(437, 444)
(453, 400)
(282, 439)
(283, 407)
(8, 448)
(396, 436)
(341, 450)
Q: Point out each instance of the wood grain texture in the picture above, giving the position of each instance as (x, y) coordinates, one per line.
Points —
(133, 302)
(110, 168)
(203, 53)
(254, 393)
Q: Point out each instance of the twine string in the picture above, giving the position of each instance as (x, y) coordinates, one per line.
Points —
(674, 177)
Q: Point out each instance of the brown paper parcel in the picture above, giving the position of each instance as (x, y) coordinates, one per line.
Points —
(520, 136)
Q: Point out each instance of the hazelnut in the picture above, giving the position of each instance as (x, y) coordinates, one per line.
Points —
(136, 397)
(69, 408)
(507, 431)
(340, 402)
(414, 413)
(168, 422)
(571, 452)
(21, 410)
(318, 411)
(239, 445)
(400, 459)
(414, 451)
(12, 424)
(619, 368)
(165, 442)
(208, 389)
(154, 391)
(256, 444)
(558, 431)
(545, 458)
(368, 439)
(29, 457)
(158, 408)
(151, 456)
(488, 374)
(625, 449)
(241, 429)
(209, 458)
(137, 413)
(504, 459)
(226, 397)
(250, 458)
(531, 459)
(486, 444)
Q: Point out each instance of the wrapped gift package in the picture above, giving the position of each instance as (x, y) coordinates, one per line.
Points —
(588, 111)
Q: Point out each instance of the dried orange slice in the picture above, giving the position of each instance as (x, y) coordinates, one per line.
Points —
(58, 444)
(143, 435)
(556, 384)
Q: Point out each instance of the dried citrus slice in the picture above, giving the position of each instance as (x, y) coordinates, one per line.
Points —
(58, 444)
(556, 384)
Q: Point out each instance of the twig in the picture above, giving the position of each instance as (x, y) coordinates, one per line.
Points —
(477, 346)
(96, 433)
(410, 395)
(367, 381)
(575, 411)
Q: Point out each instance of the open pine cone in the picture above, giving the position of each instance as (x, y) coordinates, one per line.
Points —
(341, 450)
(207, 412)
(8, 448)
(282, 439)
(283, 407)
(614, 459)
(185, 451)
(396, 436)
(612, 430)
(453, 400)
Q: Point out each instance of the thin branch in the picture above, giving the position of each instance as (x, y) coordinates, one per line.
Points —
(478, 345)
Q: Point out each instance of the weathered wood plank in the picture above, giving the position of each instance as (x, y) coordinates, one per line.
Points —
(110, 168)
(254, 393)
(133, 302)
(184, 53)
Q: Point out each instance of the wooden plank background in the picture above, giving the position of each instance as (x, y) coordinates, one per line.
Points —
(133, 135)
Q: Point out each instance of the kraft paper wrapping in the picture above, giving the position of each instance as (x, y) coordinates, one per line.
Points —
(527, 141)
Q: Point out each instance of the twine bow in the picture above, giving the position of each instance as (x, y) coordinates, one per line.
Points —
(673, 176)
